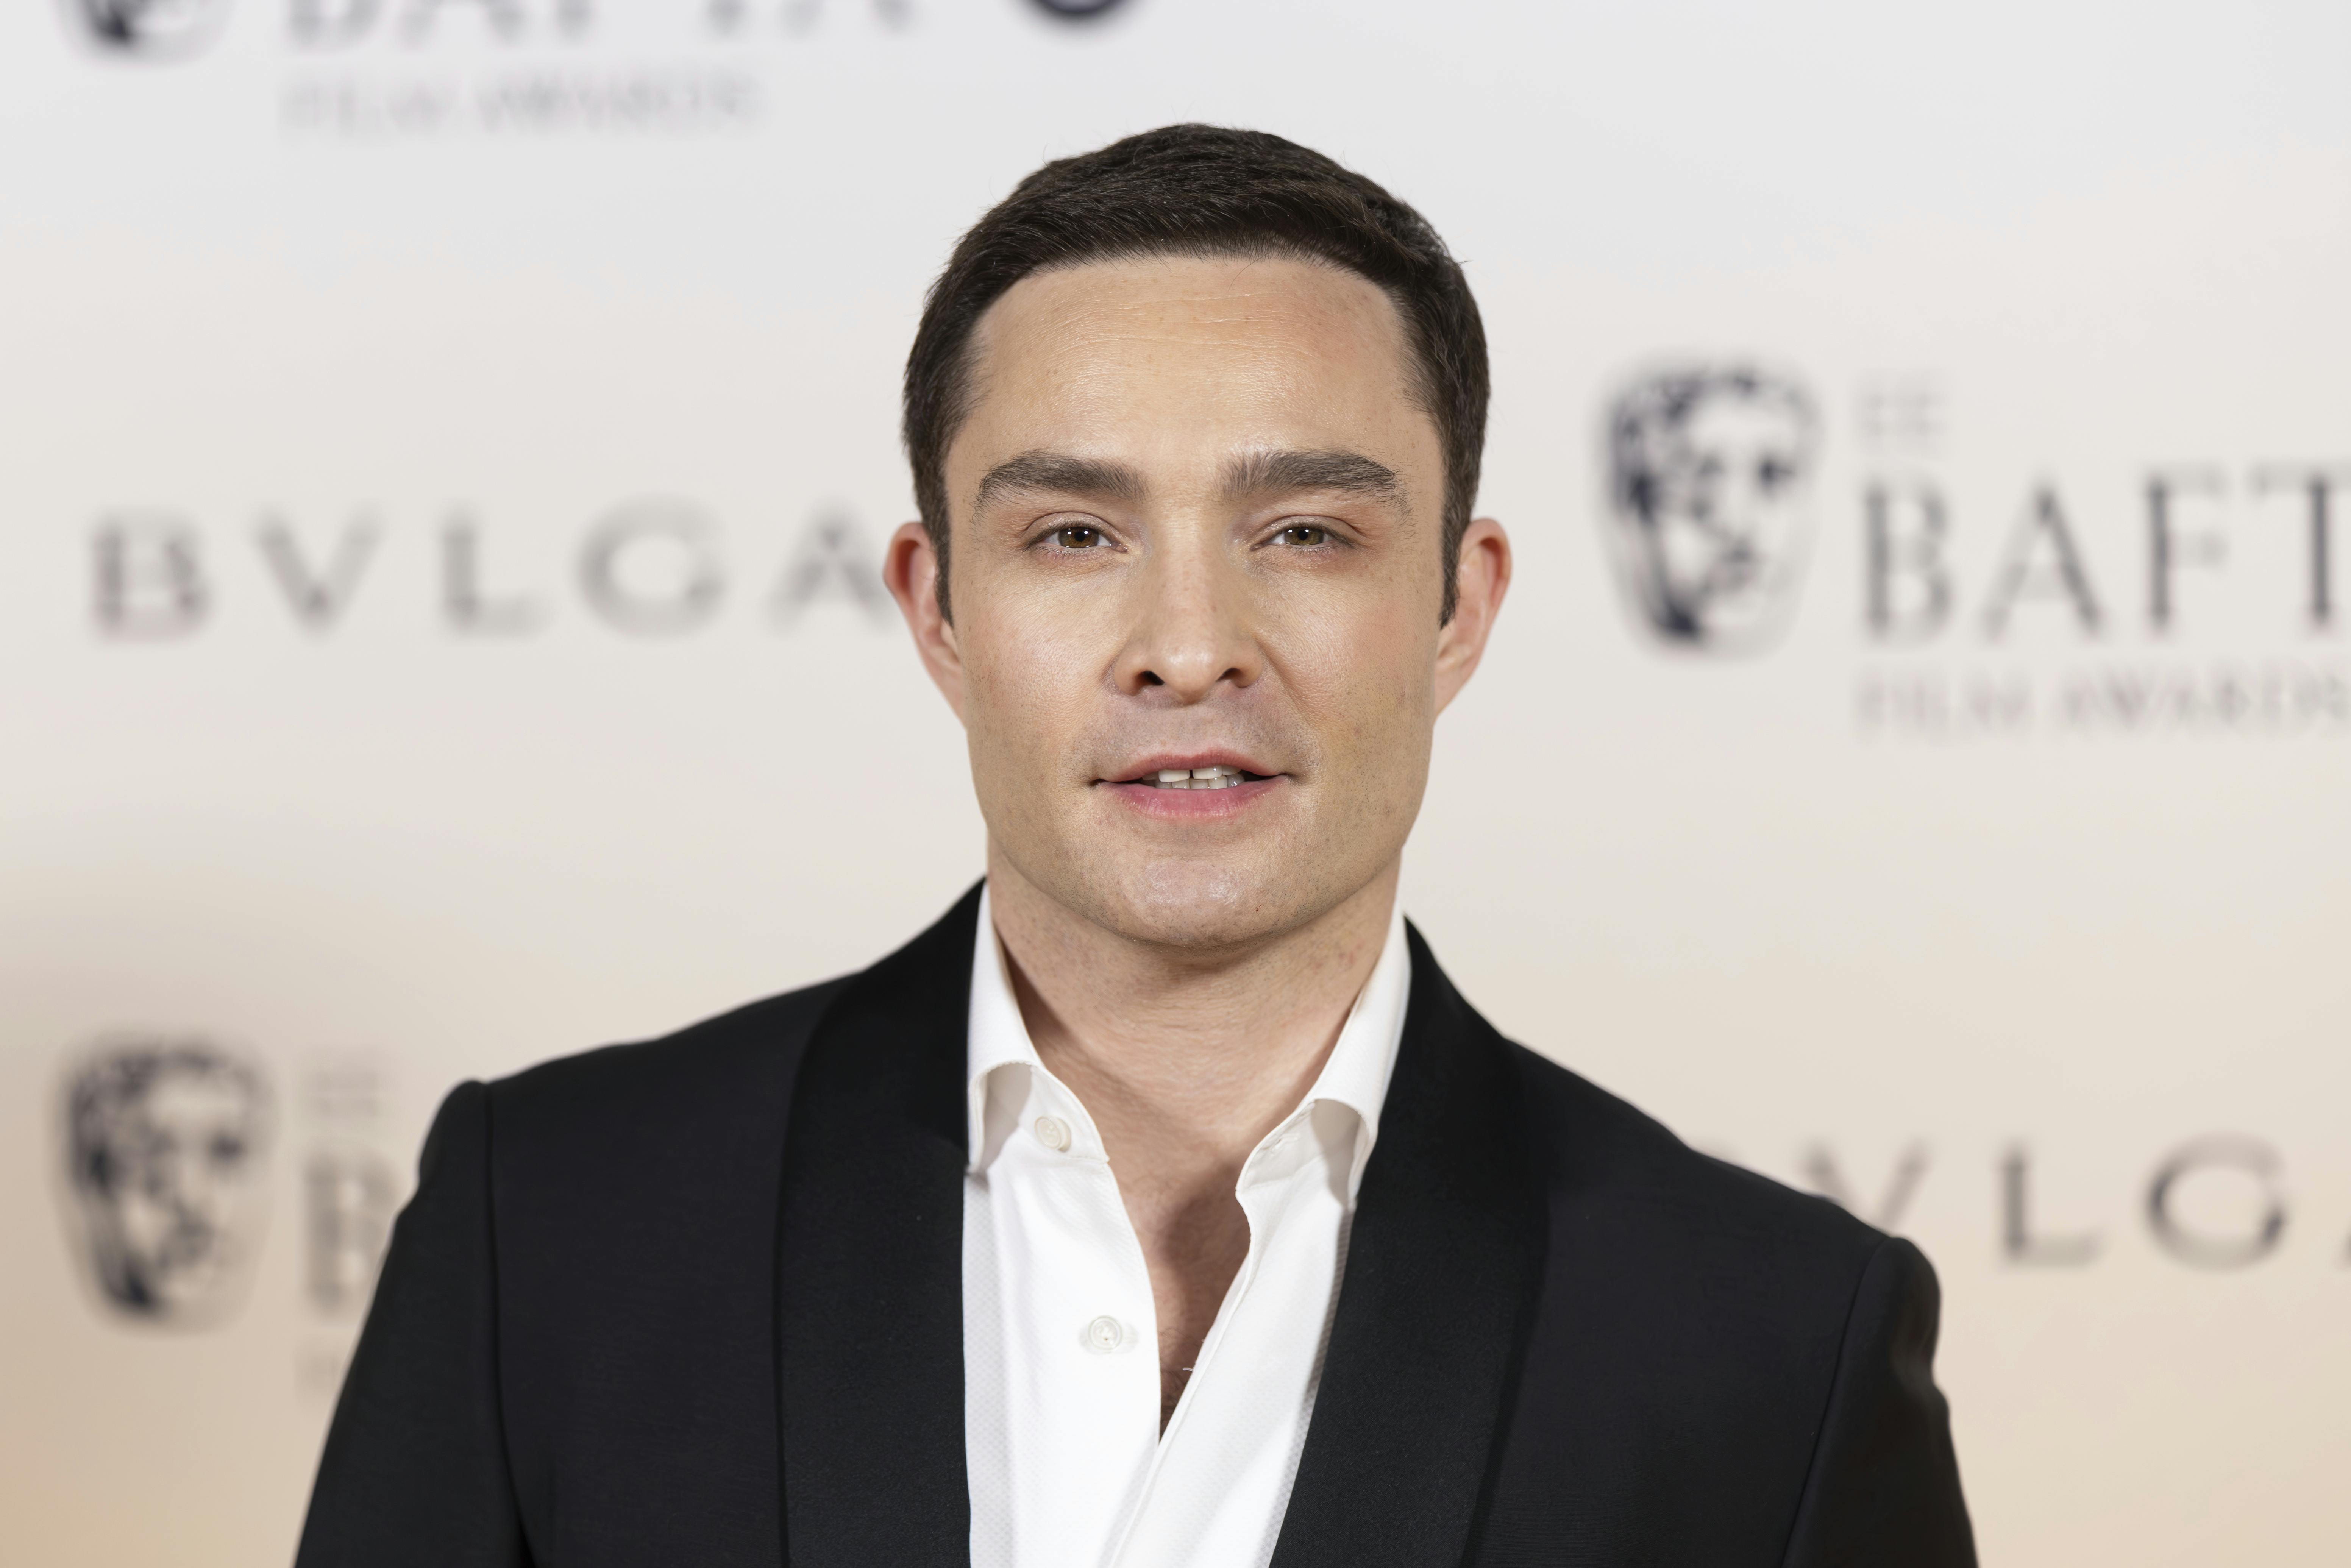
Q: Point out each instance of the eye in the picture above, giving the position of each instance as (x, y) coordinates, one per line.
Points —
(1303, 536)
(1078, 536)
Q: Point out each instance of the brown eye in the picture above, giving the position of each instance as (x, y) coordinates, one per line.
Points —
(1078, 535)
(1305, 535)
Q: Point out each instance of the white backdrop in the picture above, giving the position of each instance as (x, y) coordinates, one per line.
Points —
(446, 446)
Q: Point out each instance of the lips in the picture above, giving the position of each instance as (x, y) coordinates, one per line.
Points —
(1215, 772)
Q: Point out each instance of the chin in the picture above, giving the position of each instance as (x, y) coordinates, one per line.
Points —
(1208, 903)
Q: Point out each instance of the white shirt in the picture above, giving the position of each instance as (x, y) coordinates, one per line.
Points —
(1068, 1466)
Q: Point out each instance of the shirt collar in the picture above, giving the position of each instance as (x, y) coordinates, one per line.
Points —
(1355, 1074)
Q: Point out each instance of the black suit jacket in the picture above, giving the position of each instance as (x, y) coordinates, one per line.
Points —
(699, 1303)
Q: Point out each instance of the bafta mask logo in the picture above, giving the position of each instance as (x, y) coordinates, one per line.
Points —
(147, 29)
(1709, 472)
(166, 1148)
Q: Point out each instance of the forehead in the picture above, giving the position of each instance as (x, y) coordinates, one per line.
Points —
(1269, 348)
(183, 1097)
(1743, 420)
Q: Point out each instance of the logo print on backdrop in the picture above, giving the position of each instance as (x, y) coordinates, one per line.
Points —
(348, 1198)
(1709, 472)
(147, 29)
(831, 563)
(167, 1164)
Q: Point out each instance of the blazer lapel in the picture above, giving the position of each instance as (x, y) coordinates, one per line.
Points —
(869, 1284)
(1443, 1264)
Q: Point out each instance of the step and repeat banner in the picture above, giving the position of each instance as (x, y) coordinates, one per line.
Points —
(445, 450)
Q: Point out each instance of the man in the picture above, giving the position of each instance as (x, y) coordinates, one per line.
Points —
(1163, 1204)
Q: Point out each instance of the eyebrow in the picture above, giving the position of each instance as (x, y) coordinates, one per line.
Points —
(1259, 474)
(1263, 473)
(1056, 471)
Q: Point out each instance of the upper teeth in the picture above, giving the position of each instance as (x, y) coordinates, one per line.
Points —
(1216, 778)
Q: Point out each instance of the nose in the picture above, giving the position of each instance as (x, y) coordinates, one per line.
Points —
(1190, 632)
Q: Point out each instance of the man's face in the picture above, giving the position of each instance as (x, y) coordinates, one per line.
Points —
(175, 1176)
(1197, 514)
(1721, 516)
(1730, 501)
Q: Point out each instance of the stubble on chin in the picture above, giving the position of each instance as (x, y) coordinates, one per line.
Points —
(1223, 899)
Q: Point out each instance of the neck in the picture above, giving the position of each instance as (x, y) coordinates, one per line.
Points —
(1176, 1047)
(1186, 1060)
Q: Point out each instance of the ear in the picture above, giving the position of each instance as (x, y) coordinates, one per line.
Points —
(910, 569)
(1481, 581)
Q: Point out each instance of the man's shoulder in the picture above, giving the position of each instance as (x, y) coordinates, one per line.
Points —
(715, 1091)
(738, 1065)
(1608, 1164)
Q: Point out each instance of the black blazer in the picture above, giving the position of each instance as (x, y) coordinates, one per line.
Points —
(698, 1302)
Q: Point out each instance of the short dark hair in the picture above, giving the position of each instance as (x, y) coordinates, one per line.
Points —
(1204, 190)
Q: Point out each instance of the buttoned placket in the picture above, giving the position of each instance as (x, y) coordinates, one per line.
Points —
(1059, 1122)
(1107, 1393)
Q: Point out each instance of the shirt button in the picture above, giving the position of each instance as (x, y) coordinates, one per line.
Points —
(1103, 1335)
(1054, 1134)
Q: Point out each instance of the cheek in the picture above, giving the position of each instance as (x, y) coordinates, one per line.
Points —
(1031, 668)
(1364, 675)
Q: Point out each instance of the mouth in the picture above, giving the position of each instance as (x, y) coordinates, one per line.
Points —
(1215, 785)
(1217, 776)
